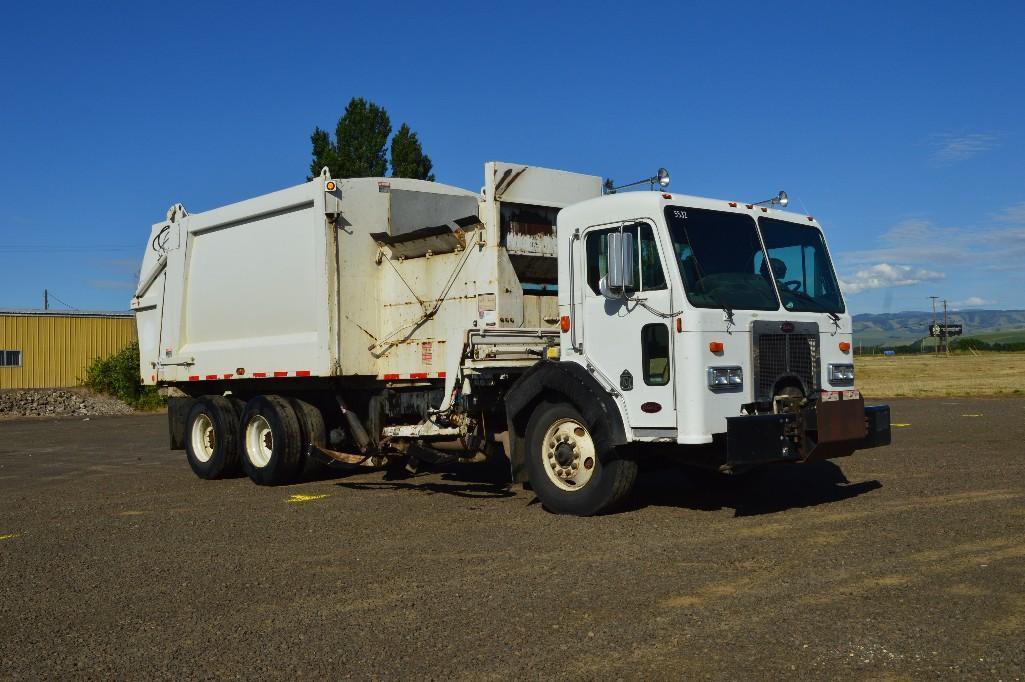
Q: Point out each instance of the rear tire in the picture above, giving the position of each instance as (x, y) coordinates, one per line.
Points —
(271, 441)
(211, 437)
(565, 468)
(311, 432)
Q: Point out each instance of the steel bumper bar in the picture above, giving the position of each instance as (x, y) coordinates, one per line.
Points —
(823, 430)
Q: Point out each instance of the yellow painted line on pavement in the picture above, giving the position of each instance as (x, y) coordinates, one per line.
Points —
(10, 536)
(306, 498)
(898, 425)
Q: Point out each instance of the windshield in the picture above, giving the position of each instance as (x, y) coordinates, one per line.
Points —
(720, 259)
(801, 267)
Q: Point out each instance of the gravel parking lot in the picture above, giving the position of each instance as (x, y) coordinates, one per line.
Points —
(115, 561)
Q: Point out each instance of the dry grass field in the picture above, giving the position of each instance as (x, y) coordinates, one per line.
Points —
(929, 375)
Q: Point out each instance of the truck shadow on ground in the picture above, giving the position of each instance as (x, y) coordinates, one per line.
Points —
(471, 481)
(659, 484)
(766, 491)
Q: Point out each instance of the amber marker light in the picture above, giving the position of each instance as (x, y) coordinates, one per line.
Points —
(679, 325)
(845, 346)
(564, 323)
(330, 186)
(716, 346)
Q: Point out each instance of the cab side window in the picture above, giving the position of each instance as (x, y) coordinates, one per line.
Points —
(650, 274)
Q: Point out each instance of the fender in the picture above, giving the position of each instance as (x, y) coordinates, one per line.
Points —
(575, 385)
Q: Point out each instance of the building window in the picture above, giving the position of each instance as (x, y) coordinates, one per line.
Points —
(10, 358)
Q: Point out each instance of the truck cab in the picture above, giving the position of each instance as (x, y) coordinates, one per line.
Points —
(714, 326)
(693, 312)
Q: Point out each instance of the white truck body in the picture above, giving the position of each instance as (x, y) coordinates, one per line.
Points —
(430, 299)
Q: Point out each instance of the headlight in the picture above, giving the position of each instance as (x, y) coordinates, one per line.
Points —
(841, 374)
(725, 377)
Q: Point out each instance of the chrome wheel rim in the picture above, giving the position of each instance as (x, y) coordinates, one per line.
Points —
(259, 441)
(568, 454)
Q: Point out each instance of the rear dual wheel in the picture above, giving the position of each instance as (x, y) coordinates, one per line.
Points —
(211, 437)
(272, 441)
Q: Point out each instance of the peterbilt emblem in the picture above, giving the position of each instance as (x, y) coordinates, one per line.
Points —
(787, 327)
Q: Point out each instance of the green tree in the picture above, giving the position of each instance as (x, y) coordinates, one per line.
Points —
(324, 153)
(359, 147)
(360, 144)
(407, 156)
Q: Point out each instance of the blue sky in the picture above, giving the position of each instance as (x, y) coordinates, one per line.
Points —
(900, 126)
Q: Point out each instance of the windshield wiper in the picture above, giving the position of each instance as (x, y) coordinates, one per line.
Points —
(821, 307)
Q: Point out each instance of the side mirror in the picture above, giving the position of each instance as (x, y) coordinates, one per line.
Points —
(621, 262)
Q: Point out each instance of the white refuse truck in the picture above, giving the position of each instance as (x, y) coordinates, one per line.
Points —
(545, 323)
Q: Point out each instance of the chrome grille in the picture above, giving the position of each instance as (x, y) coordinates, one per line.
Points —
(777, 355)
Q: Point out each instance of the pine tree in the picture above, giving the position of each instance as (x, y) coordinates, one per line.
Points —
(407, 156)
(360, 146)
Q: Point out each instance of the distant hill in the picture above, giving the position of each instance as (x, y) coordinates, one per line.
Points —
(906, 327)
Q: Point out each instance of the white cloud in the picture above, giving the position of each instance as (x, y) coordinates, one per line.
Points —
(885, 275)
(919, 242)
(950, 149)
(1012, 214)
(971, 302)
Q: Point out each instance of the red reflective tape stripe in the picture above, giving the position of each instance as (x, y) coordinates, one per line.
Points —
(302, 373)
(441, 375)
(228, 376)
(211, 376)
(259, 375)
(418, 375)
(281, 374)
(194, 377)
(390, 377)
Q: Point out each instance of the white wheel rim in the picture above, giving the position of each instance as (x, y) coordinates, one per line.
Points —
(568, 454)
(259, 441)
(203, 438)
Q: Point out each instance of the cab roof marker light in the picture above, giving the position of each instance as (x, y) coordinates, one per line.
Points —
(733, 204)
(810, 219)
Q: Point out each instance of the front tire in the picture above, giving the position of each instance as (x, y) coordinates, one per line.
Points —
(211, 437)
(271, 441)
(565, 467)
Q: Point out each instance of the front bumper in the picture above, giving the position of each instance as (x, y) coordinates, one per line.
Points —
(821, 430)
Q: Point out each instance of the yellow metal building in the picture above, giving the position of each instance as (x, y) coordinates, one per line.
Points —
(51, 349)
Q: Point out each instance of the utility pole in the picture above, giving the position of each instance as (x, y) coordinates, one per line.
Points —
(943, 332)
(46, 299)
(934, 321)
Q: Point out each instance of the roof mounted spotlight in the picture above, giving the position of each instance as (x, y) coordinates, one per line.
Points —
(780, 200)
(661, 178)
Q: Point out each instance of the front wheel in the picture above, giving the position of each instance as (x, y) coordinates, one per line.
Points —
(565, 467)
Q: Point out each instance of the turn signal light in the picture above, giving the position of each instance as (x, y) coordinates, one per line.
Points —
(564, 323)
(679, 325)
(330, 186)
(845, 346)
(716, 346)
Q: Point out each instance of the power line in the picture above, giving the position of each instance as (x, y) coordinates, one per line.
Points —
(50, 294)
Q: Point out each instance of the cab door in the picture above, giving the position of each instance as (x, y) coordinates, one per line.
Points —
(628, 339)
